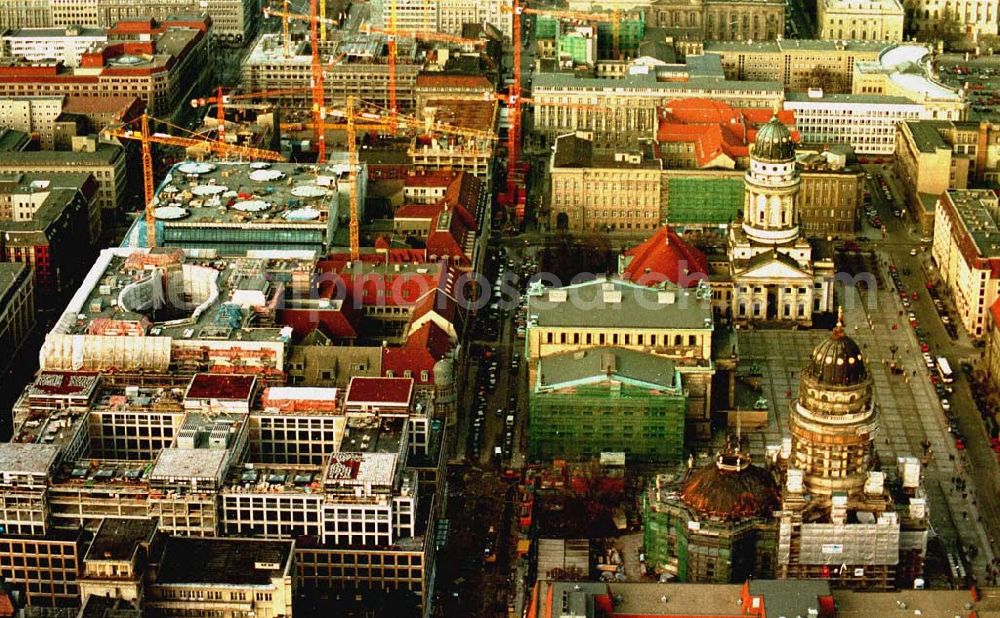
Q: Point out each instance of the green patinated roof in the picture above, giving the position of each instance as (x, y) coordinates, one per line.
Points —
(616, 363)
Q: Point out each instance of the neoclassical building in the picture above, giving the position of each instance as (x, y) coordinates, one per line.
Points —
(839, 516)
(719, 20)
(820, 507)
(773, 273)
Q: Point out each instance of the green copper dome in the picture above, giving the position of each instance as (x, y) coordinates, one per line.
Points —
(774, 142)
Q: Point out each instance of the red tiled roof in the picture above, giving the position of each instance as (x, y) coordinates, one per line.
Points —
(403, 288)
(439, 301)
(449, 240)
(93, 104)
(432, 338)
(715, 127)
(435, 178)
(995, 311)
(220, 386)
(337, 322)
(422, 350)
(396, 255)
(379, 390)
(665, 256)
(417, 211)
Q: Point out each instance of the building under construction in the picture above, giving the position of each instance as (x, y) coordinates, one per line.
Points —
(607, 400)
(833, 516)
(354, 65)
(165, 314)
(713, 525)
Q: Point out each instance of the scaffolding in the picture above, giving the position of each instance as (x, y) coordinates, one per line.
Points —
(688, 548)
(703, 201)
(582, 422)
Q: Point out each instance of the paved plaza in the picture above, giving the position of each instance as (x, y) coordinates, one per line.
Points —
(910, 412)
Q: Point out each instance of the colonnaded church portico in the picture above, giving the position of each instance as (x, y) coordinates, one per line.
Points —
(773, 273)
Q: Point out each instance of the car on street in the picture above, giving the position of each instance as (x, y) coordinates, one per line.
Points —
(913, 251)
(945, 405)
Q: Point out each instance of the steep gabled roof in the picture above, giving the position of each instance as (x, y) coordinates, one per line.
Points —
(423, 348)
(665, 256)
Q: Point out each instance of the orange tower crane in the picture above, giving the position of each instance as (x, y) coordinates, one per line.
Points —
(514, 195)
(220, 100)
(381, 120)
(145, 137)
(392, 34)
(316, 82)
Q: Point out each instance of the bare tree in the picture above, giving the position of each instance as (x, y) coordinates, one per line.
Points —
(827, 79)
(948, 28)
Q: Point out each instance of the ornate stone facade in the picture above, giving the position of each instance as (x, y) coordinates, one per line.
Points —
(843, 517)
(772, 270)
(719, 20)
(833, 421)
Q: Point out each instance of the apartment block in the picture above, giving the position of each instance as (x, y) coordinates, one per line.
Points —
(937, 155)
(970, 18)
(632, 101)
(65, 44)
(45, 568)
(599, 193)
(115, 564)
(163, 70)
(105, 162)
(866, 123)
(717, 20)
(799, 64)
(453, 15)
(233, 20)
(49, 222)
(967, 253)
(33, 115)
(26, 14)
(355, 471)
(991, 355)
(222, 576)
(17, 308)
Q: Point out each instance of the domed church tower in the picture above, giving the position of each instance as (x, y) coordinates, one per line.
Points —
(774, 275)
(833, 421)
(770, 212)
(841, 519)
